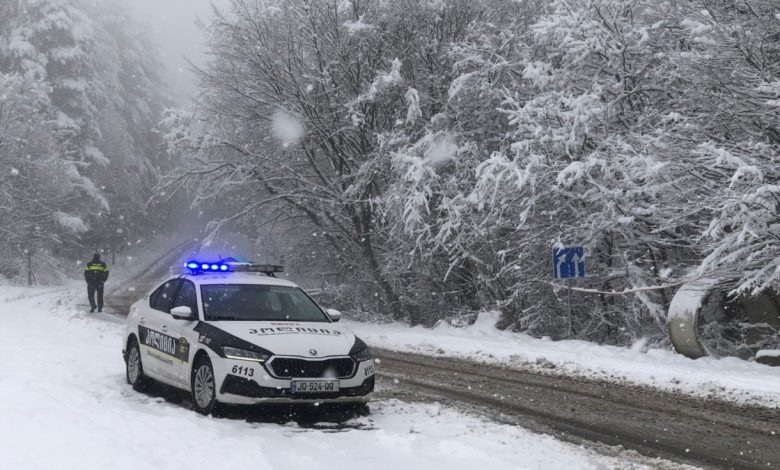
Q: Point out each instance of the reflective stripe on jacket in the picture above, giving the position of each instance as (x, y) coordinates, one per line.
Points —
(96, 272)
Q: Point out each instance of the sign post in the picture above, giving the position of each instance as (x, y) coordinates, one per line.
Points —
(568, 263)
(568, 287)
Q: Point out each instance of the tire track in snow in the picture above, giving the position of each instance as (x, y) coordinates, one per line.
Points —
(654, 423)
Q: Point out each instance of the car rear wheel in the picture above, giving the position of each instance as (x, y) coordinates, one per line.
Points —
(134, 368)
(204, 387)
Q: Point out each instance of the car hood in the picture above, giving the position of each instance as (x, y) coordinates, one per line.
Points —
(286, 338)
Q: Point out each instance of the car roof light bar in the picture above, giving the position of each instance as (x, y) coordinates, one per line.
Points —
(268, 269)
(232, 265)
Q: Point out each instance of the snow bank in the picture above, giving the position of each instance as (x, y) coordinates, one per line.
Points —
(768, 353)
(769, 357)
(65, 405)
(726, 378)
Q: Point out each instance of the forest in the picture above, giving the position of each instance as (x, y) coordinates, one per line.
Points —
(419, 159)
(80, 149)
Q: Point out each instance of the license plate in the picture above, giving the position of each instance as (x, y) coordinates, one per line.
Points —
(314, 386)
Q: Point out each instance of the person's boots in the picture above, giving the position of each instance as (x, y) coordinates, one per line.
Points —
(100, 309)
(92, 310)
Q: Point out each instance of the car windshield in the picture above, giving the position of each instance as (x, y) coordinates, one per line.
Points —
(250, 302)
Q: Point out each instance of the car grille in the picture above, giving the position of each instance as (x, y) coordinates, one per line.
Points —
(284, 367)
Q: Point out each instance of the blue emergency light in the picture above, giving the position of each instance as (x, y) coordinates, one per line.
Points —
(232, 264)
(197, 266)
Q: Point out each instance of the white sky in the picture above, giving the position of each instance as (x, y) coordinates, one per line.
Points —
(175, 31)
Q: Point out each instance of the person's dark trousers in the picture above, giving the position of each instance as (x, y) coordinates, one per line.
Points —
(91, 290)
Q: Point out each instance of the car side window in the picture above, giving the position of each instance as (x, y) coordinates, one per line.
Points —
(186, 297)
(165, 296)
(153, 296)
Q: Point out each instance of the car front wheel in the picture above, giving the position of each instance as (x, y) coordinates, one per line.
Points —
(135, 369)
(204, 388)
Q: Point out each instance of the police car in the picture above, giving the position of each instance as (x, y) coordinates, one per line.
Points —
(231, 333)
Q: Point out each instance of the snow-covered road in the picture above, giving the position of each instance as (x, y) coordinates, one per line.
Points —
(729, 378)
(64, 404)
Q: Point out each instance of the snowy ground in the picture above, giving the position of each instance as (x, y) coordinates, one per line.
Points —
(727, 378)
(64, 404)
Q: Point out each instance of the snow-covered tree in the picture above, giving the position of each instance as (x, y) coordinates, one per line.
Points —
(734, 76)
(432, 153)
(82, 80)
(307, 100)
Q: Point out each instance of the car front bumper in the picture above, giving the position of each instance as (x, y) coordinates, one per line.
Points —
(264, 388)
(236, 389)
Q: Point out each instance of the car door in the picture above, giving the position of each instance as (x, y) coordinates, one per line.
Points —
(159, 347)
(183, 331)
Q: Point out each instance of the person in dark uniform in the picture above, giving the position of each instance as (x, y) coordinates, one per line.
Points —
(96, 274)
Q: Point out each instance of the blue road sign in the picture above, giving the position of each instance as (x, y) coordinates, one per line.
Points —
(568, 262)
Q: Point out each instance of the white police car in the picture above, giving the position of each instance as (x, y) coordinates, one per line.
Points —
(229, 334)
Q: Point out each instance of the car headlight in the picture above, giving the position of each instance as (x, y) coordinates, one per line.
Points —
(360, 351)
(244, 355)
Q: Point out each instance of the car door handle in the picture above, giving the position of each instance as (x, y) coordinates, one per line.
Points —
(164, 328)
(142, 320)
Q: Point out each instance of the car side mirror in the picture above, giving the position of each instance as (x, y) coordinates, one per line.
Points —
(334, 314)
(182, 312)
